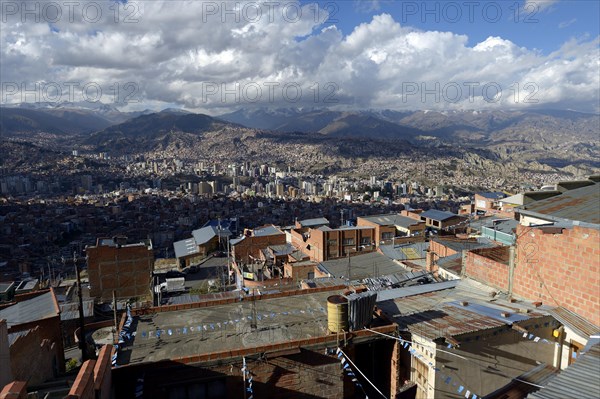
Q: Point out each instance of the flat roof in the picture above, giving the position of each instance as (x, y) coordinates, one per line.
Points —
(225, 327)
(266, 231)
(438, 215)
(313, 222)
(371, 264)
(391, 219)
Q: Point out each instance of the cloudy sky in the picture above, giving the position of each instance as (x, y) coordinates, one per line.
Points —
(215, 56)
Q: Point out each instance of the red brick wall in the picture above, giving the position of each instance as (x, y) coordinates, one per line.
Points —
(50, 330)
(441, 250)
(33, 358)
(83, 387)
(14, 390)
(560, 269)
(128, 270)
(102, 373)
(253, 245)
(486, 270)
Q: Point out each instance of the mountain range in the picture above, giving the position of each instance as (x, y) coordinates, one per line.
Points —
(553, 138)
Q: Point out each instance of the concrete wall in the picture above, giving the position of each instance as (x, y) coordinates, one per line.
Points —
(128, 270)
(560, 269)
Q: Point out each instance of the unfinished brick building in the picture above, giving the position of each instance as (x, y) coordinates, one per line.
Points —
(113, 264)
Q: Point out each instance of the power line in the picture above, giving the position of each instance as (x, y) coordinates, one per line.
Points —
(361, 373)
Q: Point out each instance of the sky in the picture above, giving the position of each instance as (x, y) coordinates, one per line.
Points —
(217, 56)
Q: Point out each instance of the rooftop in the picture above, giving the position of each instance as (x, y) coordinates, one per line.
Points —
(185, 248)
(440, 313)
(438, 215)
(225, 327)
(391, 219)
(37, 308)
(492, 195)
(70, 310)
(579, 380)
(457, 244)
(581, 326)
(412, 251)
(313, 222)
(266, 231)
(578, 205)
(205, 234)
(365, 265)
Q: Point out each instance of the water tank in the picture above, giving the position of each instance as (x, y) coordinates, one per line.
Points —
(337, 313)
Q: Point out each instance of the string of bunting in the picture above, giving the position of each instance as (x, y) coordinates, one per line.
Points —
(214, 326)
(348, 370)
(247, 379)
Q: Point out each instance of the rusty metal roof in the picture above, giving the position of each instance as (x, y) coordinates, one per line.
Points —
(446, 321)
(581, 326)
(580, 205)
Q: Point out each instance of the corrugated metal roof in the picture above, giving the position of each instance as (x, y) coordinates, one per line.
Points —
(40, 307)
(70, 311)
(185, 248)
(438, 215)
(204, 235)
(526, 383)
(581, 380)
(414, 290)
(580, 204)
(446, 321)
(578, 324)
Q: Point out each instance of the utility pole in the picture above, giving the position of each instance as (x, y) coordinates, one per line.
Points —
(114, 295)
(81, 316)
(349, 268)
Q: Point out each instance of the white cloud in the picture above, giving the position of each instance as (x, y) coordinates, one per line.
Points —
(568, 23)
(185, 53)
(538, 5)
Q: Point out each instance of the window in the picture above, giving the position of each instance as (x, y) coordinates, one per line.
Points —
(365, 241)
(574, 350)
(348, 241)
(387, 236)
(331, 242)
